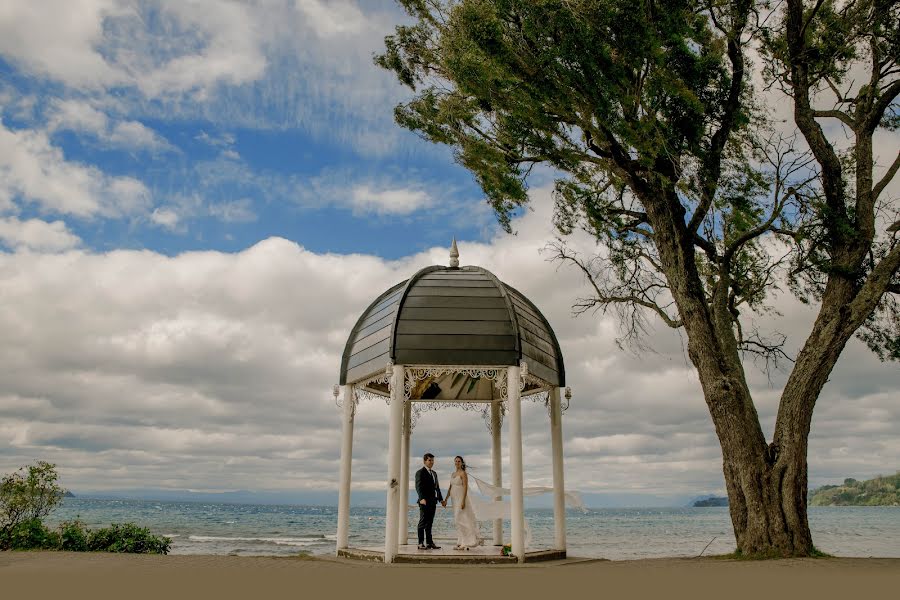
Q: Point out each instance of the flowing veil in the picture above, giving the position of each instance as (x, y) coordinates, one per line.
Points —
(488, 510)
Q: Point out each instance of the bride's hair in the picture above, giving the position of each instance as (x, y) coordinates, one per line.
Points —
(463, 461)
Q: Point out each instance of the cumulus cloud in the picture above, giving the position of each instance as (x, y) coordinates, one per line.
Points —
(364, 199)
(37, 172)
(35, 234)
(82, 117)
(210, 370)
(96, 44)
(59, 39)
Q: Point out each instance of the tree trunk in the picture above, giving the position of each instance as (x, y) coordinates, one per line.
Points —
(767, 500)
(766, 486)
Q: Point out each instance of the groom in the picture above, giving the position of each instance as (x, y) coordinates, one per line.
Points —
(429, 492)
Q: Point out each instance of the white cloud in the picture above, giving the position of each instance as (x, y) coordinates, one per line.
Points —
(59, 39)
(36, 171)
(335, 18)
(96, 44)
(34, 234)
(82, 117)
(237, 211)
(398, 201)
(205, 367)
(165, 217)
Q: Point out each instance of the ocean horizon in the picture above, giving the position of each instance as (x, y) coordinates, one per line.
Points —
(614, 533)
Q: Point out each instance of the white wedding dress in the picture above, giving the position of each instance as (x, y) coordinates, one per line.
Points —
(466, 525)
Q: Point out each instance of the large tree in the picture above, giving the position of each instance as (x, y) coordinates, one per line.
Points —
(647, 113)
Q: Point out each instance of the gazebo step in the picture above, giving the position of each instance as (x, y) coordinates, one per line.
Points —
(541, 555)
(445, 556)
(454, 559)
(360, 554)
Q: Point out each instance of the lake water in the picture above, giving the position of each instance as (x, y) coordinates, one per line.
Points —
(613, 533)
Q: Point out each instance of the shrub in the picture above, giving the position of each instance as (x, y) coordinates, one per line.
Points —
(127, 537)
(29, 535)
(73, 536)
(28, 494)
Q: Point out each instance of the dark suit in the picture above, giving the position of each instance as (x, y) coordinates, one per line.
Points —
(428, 489)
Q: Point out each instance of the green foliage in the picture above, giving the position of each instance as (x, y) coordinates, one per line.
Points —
(550, 81)
(28, 494)
(880, 491)
(30, 534)
(73, 536)
(127, 537)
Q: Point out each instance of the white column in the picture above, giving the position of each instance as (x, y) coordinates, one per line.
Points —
(559, 488)
(517, 499)
(497, 464)
(393, 488)
(403, 502)
(343, 528)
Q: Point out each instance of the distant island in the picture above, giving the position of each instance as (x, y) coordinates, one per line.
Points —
(68, 494)
(712, 501)
(881, 491)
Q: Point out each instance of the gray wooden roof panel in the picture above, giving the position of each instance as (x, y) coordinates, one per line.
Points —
(452, 316)
(454, 291)
(357, 358)
(386, 321)
(454, 302)
(459, 342)
(455, 314)
(468, 327)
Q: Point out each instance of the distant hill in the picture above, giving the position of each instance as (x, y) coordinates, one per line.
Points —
(712, 501)
(881, 491)
(68, 494)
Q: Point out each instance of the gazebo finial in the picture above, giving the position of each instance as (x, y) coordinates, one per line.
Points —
(454, 255)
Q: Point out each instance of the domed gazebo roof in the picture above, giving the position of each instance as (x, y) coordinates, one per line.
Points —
(452, 316)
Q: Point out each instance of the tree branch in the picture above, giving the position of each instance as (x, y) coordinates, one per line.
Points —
(892, 170)
(835, 114)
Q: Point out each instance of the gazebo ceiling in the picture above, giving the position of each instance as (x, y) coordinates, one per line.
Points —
(452, 316)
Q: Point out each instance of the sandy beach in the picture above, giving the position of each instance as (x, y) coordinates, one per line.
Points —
(97, 575)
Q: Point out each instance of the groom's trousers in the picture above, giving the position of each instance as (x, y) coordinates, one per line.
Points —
(426, 519)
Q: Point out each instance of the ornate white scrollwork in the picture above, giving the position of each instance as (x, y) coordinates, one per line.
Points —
(383, 378)
(339, 401)
(418, 373)
(484, 407)
(533, 388)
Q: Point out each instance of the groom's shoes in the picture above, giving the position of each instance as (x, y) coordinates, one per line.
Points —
(433, 547)
(423, 547)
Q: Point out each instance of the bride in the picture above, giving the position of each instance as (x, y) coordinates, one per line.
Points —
(463, 513)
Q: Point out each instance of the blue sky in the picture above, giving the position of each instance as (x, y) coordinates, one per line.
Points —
(288, 133)
(198, 199)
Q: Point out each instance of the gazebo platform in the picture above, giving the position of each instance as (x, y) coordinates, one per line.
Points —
(447, 555)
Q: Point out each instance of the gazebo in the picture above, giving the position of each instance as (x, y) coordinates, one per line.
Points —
(452, 337)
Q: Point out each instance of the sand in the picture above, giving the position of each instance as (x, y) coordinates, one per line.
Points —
(99, 575)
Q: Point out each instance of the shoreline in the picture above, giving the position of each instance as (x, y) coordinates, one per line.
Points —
(103, 575)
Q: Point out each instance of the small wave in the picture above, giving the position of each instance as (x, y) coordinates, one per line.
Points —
(171, 535)
(281, 541)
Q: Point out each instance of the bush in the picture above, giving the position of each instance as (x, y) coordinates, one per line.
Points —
(29, 494)
(127, 537)
(29, 535)
(73, 536)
